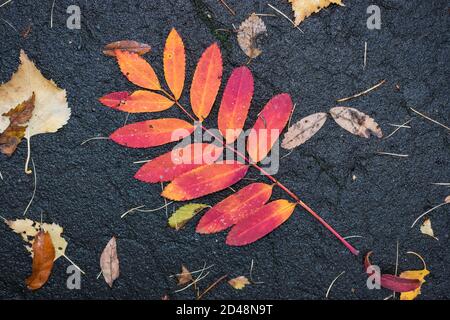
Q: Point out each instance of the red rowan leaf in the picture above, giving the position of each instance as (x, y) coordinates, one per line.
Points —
(235, 208)
(269, 125)
(206, 81)
(43, 257)
(178, 161)
(260, 223)
(138, 101)
(235, 103)
(204, 180)
(152, 133)
(174, 63)
(137, 70)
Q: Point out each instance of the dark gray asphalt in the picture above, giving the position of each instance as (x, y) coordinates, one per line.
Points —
(86, 188)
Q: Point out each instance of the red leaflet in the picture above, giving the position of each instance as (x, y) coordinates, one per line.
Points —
(138, 101)
(235, 103)
(137, 70)
(204, 180)
(391, 282)
(174, 63)
(262, 222)
(235, 208)
(178, 161)
(271, 122)
(152, 133)
(206, 81)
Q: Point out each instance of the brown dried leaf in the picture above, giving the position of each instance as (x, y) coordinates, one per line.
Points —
(304, 8)
(248, 34)
(126, 45)
(184, 277)
(109, 262)
(239, 283)
(18, 119)
(356, 122)
(44, 255)
(303, 130)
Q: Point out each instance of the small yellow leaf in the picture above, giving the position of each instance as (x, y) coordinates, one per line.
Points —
(185, 213)
(304, 8)
(239, 283)
(413, 274)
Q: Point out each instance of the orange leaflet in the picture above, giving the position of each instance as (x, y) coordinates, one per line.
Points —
(204, 180)
(235, 208)
(178, 161)
(271, 122)
(261, 223)
(235, 103)
(152, 133)
(174, 63)
(206, 81)
(138, 101)
(137, 70)
(43, 257)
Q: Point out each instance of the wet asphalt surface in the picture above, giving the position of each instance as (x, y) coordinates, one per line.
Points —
(86, 188)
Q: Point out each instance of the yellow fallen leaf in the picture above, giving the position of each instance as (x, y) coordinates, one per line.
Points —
(304, 8)
(414, 274)
(239, 283)
(28, 229)
(51, 110)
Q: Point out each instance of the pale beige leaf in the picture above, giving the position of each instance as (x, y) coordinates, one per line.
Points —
(304, 8)
(239, 283)
(426, 228)
(184, 277)
(109, 262)
(51, 110)
(447, 199)
(28, 229)
(356, 122)
(303, 130)
(248, 33)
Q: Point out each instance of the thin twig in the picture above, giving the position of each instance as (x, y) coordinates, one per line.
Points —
(10, 24)
(428, 211)
(350, 237)
(363, 92)
(35, 187)
(447, 184)
(418, 256)
(5, 3)
(157, 209)
(211, 286)
(73, 263)
(428, 118)
(51, 14)
(165, 200)
(396, 267)
(251, 275)
(228, 7)
(365, 55)
(27, 162)
(392, 154)
(193, 282)
(285, 16)
(265, 15)
(332, 283)
(398, 128)
(193, 272)
(94, 138)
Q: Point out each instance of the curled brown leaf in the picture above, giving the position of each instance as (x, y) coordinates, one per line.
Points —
(43, 257)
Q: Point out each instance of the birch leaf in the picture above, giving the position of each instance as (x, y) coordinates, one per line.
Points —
(185, 213)
(356, 122)
(304, 8)
(109, 262)
(249, 32)
(239, 283)
(51, 111)
(28, 229)
(303, 130)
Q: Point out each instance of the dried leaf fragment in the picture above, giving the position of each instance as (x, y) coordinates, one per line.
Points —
(44, 255)
(109, 262)
(184, 277)
(304, 8)
(126, 45)
(426, 228)
(18, 119)
(249, 32)
(356, 122)
(185, 213)
(239, 283)
(303, 130)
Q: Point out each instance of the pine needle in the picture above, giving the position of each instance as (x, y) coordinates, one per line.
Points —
(211, 286)
(94, 138)
(428, 211)
(285, 16)
(398, 128)
(363, 92)
(392, 154)
(332, 283)
(428, 118)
